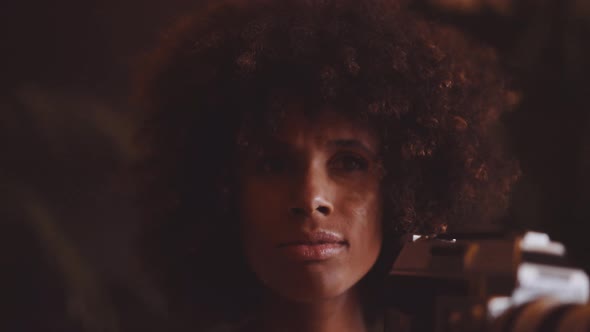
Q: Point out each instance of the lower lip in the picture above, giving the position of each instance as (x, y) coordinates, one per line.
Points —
(313, 252)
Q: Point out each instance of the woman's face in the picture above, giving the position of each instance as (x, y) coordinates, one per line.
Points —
(310, 206)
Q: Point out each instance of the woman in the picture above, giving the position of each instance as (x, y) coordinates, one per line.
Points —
(290, 145)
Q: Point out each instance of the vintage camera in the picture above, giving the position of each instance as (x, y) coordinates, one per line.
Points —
(489, 282)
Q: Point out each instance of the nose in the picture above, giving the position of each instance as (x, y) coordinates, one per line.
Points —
(312, 195)
(318, 207)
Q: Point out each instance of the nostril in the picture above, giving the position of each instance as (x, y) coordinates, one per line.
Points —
(323, 210)
(301, 212)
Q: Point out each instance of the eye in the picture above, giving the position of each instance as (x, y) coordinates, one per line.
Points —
(349, 163)
(270, 165)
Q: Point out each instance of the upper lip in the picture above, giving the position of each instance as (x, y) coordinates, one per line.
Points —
(317, 237)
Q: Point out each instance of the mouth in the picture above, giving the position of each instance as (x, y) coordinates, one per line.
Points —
(317, 246)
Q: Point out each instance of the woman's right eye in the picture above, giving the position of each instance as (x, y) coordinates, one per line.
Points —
(270, 165)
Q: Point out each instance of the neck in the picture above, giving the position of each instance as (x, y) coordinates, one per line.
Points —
(343, 313)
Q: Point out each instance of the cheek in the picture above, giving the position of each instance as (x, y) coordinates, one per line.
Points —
(258, 211)
(260, 216)
(362, 208)
(363, 217)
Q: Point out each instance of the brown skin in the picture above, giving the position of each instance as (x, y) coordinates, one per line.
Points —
(432, 95)
(317, 173)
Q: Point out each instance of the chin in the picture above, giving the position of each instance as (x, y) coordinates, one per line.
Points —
(306, 289)
(311, 295)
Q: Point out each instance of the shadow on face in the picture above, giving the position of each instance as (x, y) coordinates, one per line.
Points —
(310, 205)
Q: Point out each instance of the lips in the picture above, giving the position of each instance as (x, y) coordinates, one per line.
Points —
(316, 246)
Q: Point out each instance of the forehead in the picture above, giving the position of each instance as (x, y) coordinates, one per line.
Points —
(297, 128)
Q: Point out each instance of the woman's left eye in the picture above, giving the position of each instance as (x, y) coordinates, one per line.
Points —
(349, 163)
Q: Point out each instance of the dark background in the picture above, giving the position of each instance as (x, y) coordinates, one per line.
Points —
(68, 229)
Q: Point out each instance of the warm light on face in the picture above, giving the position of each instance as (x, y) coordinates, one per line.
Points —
(311, 206)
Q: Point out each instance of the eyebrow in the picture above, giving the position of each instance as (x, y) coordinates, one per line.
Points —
(351, 143)
(275, 144)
